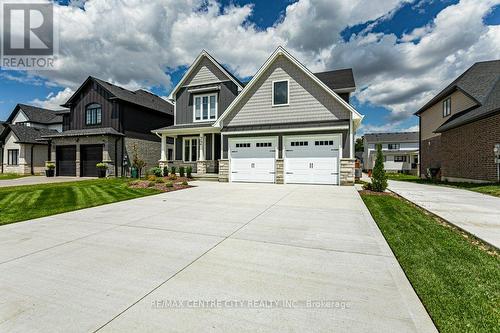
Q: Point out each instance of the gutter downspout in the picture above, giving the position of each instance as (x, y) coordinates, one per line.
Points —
(116, 157)
(31, 153)
(123, 156)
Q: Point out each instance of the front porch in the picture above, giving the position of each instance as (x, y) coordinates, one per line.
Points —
(198, 148)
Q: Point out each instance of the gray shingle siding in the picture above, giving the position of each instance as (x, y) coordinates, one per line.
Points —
(308, 100)
(205, 72)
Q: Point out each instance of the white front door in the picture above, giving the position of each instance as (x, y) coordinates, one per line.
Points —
(253, 159)
(312, 159)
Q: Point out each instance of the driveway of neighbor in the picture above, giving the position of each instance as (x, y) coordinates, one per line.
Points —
(114, 268)
(35, 180)
(476, 213)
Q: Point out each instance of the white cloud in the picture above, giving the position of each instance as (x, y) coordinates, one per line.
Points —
(54, 101)
(133, 43)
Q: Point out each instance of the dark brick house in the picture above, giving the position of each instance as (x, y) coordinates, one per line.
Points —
(460, 126)
(108, 123)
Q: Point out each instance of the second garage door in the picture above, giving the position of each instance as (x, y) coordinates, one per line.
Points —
(66, 161)
(312, 159)
(253, 159)
(90, 155)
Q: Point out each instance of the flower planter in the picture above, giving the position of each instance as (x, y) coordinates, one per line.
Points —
(101, 173)
(49, 173)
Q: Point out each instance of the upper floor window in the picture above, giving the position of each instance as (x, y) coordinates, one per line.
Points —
(280, 92)
(447, 107)
(393, 146)
(205, 107)
(93, 114)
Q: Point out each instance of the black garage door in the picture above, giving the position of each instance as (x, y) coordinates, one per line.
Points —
(66, 161)
(90, 155)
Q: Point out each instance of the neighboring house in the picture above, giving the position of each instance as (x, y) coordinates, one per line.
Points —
(23, 150)
(107, 123)
(286, 125)
(460, 126)
(400, 151)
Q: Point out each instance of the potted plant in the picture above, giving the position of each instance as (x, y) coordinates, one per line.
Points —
(101, 169)
(50, 169)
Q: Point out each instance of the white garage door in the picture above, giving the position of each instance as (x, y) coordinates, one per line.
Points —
(253, 159)
(312, 159)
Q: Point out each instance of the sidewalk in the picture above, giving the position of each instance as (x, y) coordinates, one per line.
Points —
(476, 213)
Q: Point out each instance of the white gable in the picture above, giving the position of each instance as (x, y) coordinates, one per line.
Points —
(20, 117)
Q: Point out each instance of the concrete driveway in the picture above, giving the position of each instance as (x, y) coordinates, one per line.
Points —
(34, 180)
(215, 258)
(476, 213)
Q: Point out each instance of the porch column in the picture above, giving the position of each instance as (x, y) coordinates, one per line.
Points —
(163, 157)
(201, 147)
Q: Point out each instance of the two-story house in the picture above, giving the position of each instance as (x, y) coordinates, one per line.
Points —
(400, 151)
(460, 126)
(22, 149)
(286, 125)
(110, 124)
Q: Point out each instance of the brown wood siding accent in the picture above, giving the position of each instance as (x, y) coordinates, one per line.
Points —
(93, 93)
(138, 122)
(66, 122)
(184, 102)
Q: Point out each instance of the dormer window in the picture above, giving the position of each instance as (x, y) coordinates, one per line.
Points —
(93, 114)
(447, 107)
(280, 93)
(205, 107)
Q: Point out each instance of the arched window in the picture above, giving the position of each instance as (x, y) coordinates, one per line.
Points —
(93, 114)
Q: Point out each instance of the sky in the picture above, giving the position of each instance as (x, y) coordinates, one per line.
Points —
(402, 52)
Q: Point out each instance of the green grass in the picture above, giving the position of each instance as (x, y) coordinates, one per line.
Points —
(491, 189)
(6, 176)
(22, 203)
(457, 279)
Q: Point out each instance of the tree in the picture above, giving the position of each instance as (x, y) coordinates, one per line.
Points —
(359, 145)
(137, 162)
(379, 178)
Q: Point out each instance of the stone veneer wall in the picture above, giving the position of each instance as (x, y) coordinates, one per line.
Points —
(279, 176)
(223, 170)
(347, 166)
(149, 151)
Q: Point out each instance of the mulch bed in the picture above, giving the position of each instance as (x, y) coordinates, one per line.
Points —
(376, 193)
(162, 186)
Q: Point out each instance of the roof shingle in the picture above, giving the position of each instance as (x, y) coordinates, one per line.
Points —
(392, 137)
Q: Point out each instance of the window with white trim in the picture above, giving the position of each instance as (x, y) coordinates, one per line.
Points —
(190, 149)
(393, 146)
(13, 156)
(205, 107)
(280, 92)
(447, 107)
(399, 158)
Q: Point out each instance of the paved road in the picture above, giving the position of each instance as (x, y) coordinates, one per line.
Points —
(114, 268)
(34, 180)
(474, 212)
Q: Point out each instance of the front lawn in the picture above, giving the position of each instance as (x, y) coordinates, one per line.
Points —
(7, 176)
(491, 189)
(457, 278)
(27, 202)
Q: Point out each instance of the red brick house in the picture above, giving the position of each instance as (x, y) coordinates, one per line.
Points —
(460, 126)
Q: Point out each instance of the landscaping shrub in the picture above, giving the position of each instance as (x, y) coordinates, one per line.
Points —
(151, 184)
(151, 178)
(169, 184)
(160, 180)
(172, 170)
(172, 176)
(165, 171)
(379, 178)
(157, 171)
(189, 170)
(181, 171)
(185, 183)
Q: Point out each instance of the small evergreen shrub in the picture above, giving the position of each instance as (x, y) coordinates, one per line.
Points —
(172, 176)
(151, 178)
(165, 171)
(169, 184)
(379, 177)
(181, 171)
(160, 180)
(173, 170)
(157, 171)
(185, 183)
(151, 184)
(189, 171)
